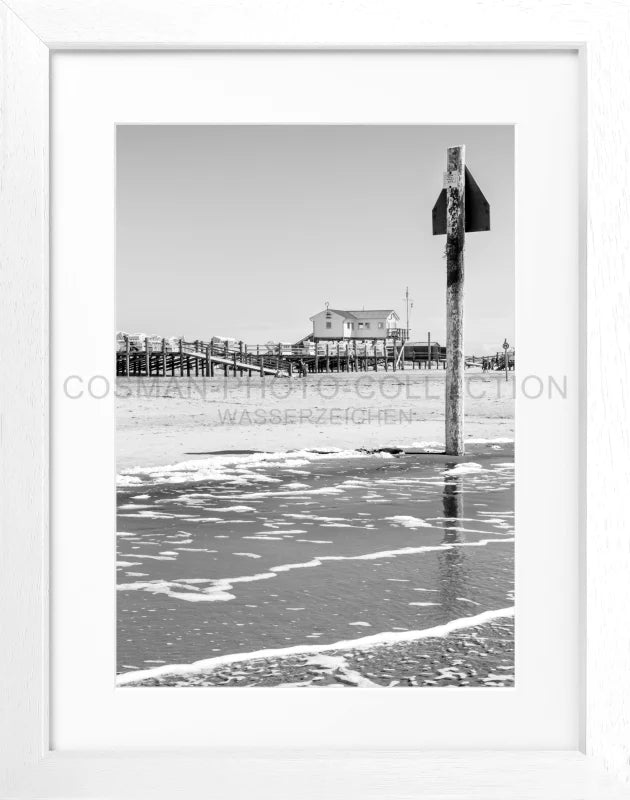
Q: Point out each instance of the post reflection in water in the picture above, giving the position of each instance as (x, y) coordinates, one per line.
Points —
(451, 561)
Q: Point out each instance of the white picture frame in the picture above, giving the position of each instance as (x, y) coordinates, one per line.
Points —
(30, 31)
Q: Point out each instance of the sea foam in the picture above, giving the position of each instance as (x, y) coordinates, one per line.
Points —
(362, 643)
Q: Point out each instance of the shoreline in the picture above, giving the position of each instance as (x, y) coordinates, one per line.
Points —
(450, 654)
(171, 420)
(379, 640)
(332, 466)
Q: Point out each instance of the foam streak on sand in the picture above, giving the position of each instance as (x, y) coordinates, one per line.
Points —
(363, 643)
(219, 589)
(232, 467)
(239, 469)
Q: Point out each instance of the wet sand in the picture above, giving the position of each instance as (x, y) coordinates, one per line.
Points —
(234, 556)
(170, 420)
(478, 656)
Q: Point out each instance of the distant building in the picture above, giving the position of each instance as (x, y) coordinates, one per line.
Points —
(420, 351)
(333, 323)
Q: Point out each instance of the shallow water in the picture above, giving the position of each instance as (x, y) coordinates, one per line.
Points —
(242, 556)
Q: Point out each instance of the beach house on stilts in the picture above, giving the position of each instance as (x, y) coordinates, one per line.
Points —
(334, 324)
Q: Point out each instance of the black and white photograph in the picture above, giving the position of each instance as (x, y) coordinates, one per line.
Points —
(315, 415)
(315, 377)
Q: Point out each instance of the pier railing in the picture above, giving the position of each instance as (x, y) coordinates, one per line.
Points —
(152, 356)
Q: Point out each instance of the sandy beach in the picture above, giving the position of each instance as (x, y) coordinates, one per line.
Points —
(312, 533)
(170, 420)
(482, 655)
(275, 565)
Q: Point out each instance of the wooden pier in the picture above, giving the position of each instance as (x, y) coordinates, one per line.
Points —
(197, 359)
(207, 359)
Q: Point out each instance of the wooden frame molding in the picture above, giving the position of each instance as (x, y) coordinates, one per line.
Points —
(29, 31)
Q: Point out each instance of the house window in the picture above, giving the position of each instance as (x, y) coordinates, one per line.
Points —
(360, 325)
(329, 325)
(367, 325)
(380, 324)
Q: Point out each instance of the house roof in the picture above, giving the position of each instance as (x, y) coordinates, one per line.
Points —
(346, 314)
(372, 314)
(369, 314)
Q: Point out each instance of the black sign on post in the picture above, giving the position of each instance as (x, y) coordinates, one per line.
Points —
(460, 209)
(477, 211)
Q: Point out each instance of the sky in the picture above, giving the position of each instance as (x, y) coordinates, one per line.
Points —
(247, 231)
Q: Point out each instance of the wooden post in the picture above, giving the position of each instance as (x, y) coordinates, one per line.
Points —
(211, 348)
(181, 359)
(338, 365)
(348, 356)
(260, 361)
(394, 354)
(429, 350)
(278, 356)
(327, 357)
(127, 356)
(147, 348)
(316, 366)
(207, 361)
(385, 353)
(455, 236)
(375, 356)
(505, 357)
